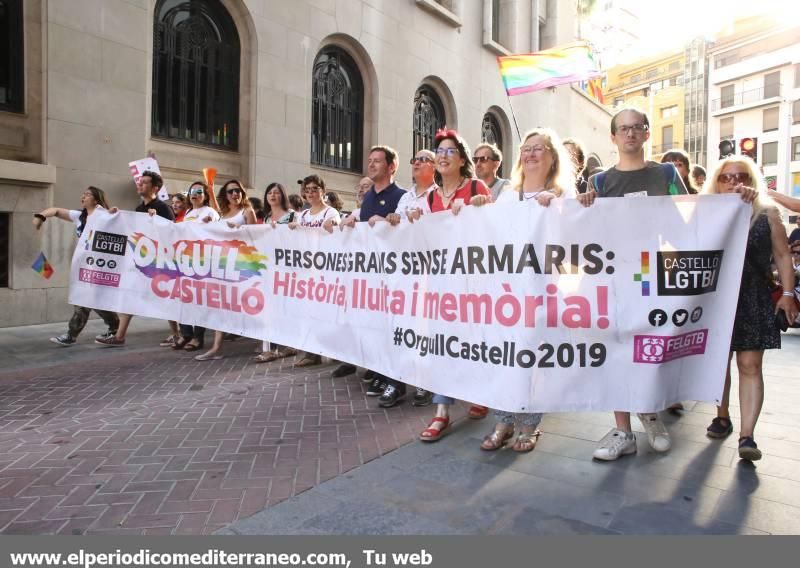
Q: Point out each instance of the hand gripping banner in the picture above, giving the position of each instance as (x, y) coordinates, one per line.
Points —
(625, 305)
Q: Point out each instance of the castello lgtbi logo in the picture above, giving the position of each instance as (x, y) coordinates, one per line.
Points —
(203, 272)
(681, 273)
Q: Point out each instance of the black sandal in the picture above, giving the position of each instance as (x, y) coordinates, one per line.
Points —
(180, 343)
(748, 450)
(719, 430)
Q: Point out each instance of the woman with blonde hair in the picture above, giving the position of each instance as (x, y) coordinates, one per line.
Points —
(543, 172)
(754, 327)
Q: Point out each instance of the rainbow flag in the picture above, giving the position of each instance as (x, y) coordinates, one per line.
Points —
(530, 72)
(43, 267)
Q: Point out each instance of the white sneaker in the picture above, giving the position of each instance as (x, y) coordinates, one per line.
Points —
(614, 445)
(657, 433)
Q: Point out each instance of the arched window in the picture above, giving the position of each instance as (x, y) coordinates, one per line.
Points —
(337, 111)
(491, 133)
(11, 57)
(428, 117)
(195, 73)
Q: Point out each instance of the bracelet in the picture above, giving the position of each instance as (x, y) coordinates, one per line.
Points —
(40, 216)
(788, 294)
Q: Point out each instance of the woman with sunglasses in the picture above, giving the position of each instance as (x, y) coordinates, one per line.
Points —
(754, 327)
(93, 199)
(277, 211)
(192, 338)
(456, 186)
(543, 172)
(318, 216)
(235, 211)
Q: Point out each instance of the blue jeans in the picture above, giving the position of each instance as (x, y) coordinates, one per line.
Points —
(441, 399)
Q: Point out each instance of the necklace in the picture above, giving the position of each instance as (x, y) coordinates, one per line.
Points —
(452, 193)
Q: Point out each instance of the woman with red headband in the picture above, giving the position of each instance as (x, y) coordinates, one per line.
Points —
(456, 186)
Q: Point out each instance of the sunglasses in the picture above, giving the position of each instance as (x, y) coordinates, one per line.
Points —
(740, 177)
(479, 159)
(233, 190)
(196, 191)
(421, 159)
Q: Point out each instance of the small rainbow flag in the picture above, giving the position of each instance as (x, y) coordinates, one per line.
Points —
(595, 89)
(43, 267)
(525, 73)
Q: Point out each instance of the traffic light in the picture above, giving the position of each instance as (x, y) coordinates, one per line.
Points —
(726, 148)
(749, 147)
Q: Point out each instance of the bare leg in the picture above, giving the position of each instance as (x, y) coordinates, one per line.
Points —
(217, 346)
(722, 409)
(623, 421)
(124, 322)
(751, 389)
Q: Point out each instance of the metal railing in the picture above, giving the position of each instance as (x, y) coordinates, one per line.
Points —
(749, 96)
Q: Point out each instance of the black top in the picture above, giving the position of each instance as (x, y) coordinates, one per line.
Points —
(162, 209)
(381, 203)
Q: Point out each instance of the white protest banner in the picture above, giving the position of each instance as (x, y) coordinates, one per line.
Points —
(625, 305)
(138, 167)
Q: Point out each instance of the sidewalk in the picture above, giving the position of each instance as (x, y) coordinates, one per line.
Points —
(145, 440)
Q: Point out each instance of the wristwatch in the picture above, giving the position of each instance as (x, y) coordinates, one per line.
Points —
(40, 216)
(788, 294)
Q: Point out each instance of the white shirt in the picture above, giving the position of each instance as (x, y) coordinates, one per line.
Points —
(197, 215)
(237, 220)
(75, 217)
(314, 221)
(411, 200)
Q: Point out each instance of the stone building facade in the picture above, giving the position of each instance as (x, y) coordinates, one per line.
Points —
(262, 90)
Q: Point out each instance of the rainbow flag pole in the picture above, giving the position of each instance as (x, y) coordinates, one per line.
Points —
(529, 72)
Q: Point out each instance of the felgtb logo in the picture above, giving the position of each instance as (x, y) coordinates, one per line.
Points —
(658, 349)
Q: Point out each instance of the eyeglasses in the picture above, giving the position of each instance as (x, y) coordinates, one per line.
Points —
(312, 188)
(196, 191)
(449, 152)
(739, 177)
(479, 159)
(635, 128)
(532, 149)
(421, 159)
(233, 190)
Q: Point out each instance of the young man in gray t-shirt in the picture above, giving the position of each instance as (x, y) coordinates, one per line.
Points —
(634, 176)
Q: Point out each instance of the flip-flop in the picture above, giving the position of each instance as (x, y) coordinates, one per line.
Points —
(206, 357)
(268, 358)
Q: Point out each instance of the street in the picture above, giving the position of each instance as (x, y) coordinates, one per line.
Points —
(146, 440)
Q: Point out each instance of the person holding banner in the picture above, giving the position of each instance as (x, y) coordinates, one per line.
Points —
(92, 200)
(379, 204)
(456, 186)
(422, 171)
(235, 211)
(543, 172)
(754, 328)
(319, 216)
(276, 212)
(148, 186)
(201, 211)
(633, 176)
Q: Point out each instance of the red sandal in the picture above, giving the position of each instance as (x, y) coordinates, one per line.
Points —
(433, 434)
(477, 412)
